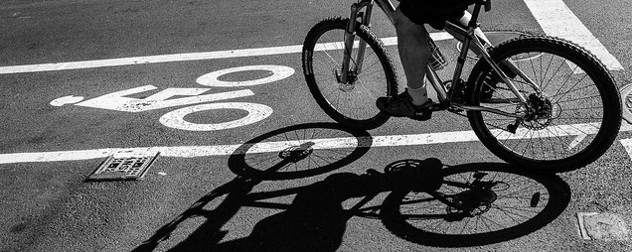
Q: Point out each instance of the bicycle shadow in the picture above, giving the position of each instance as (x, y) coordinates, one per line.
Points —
(427, 202)
(476, 204)
(288, 153)
(316, 220)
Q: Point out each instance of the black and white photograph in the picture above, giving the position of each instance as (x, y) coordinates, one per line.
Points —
(315, 125)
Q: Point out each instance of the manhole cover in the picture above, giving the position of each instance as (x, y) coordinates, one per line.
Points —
(124, 166)
(602, 226)
(627, 102)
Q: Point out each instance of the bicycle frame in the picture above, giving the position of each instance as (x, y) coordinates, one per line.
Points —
(465, 34)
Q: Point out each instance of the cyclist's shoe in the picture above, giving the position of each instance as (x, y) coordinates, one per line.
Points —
(402, 105)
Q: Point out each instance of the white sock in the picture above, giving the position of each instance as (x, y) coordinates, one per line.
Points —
(418, 95)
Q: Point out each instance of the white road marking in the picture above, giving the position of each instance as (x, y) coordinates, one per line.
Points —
(149, 59)
(556, 19)
(627, 144)
(577, 141)
(256, 112)
(278, 73)
(180, 57)
(553, 15)
(119, 102)
(70, 99)
(329, 143)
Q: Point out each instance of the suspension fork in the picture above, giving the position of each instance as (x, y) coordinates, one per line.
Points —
(355, 19)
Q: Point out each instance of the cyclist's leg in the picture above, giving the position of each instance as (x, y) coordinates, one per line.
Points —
(413, 50)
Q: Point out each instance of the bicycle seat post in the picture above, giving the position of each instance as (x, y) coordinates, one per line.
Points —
(477, 11)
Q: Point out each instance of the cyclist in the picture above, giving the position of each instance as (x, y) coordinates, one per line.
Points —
(413, 47)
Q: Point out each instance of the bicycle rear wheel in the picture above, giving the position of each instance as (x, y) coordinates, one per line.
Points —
(568, 123)
(352, 103)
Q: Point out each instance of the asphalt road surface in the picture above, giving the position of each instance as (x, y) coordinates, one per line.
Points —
(214, 87)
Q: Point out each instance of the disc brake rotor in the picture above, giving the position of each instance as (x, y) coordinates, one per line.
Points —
(539, 112)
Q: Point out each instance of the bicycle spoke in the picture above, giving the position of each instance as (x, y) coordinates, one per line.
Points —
(572, 111)
(348, 99)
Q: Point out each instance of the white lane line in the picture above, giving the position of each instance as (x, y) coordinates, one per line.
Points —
(556, 19)
(267, 51)
(627, 144)
(148, 60)
(224, 150)
(328, 143)
(553, 15)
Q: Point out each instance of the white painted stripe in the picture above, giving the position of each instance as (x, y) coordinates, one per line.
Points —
(267, 51)
(577, 141)
(149, 59)
(556, 19)
(627, 144)
(554, 16)
(328, 143)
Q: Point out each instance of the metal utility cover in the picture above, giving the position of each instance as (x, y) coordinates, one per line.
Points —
(124, 167)
(627, 102)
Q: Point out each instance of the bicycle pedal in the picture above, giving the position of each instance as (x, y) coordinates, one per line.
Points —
(445, 104)
(425, 117)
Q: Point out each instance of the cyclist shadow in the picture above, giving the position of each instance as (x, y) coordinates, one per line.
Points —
(426, 203)
(289, 153)
(314, 221)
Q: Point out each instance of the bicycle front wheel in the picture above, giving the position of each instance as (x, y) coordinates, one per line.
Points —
(349, 99)
(573, 110)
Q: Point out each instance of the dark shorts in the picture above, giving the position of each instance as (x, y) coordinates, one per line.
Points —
(433, 12)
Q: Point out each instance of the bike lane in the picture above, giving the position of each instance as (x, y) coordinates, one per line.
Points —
(127, 114)
(161, 197)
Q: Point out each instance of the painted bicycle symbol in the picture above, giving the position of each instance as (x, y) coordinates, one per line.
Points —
(195, 99)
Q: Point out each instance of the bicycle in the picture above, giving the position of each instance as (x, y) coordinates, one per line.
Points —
(534, 101)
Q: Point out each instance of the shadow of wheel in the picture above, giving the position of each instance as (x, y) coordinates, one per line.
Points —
(299, 151)
(517, 204)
